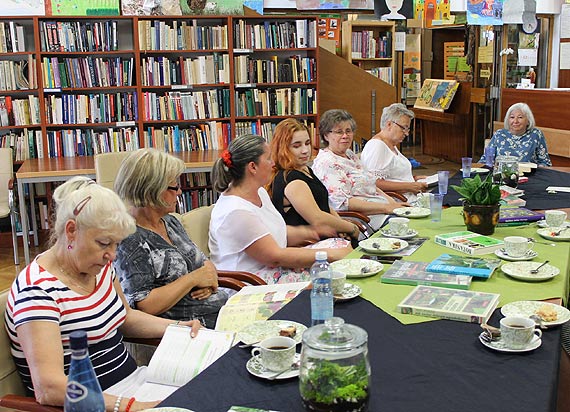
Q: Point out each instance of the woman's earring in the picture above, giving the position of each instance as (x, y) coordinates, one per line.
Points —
(69, 247)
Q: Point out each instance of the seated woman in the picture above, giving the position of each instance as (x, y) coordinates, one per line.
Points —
(246, 231)
(73, 286)
(296, 192)
(381, 155)
(351, 186)
(161, 270)
(520, 137)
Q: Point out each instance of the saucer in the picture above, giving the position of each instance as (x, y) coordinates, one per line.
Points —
(547, 233)
(261, 329)
(526, 308)
(410, 234)
(350, 291)
(255, 367)
(382, 245)
(357, 268)
(412, 212)
(499, 345)
(529, 255)
(542, 224)
(521, 271)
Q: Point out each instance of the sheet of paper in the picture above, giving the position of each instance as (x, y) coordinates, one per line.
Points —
(564, 56)
(565, 22)
(558, 189)
(528, 57)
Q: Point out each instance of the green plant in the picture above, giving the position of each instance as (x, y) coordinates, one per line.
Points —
(475, 191)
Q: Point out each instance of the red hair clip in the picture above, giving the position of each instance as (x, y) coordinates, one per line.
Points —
(227, 158)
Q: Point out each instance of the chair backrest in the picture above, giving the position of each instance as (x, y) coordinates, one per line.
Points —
(107, 166)
(197, 224)
(6, 173)
(10, 381)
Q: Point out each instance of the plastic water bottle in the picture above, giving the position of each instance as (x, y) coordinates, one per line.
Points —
(321, 295)
(83, 392)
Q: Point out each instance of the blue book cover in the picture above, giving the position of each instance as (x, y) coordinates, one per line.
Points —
(464, 265)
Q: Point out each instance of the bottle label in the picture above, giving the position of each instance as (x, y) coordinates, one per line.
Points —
(75, 391)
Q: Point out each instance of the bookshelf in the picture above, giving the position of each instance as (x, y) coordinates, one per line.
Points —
(369, 44)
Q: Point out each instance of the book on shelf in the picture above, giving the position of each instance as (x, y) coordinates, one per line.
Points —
(414, 273)
(436, 94)
(469, 242)
(254, 303)
(464, 265)
(179, 358)
(519, 214)
(453, 304)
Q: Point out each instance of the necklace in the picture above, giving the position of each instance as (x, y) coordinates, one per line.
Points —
(71, 280)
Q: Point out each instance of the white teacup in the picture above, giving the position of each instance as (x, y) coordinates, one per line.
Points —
(399, 225)
(338, 280)
(517, 246)
(277, 353)
(555, 218)
(422, 200)
(518, 332)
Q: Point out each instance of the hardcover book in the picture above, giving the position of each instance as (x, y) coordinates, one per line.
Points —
(519, 214)
(469, 242)
(415, 273)
(464, 265)
(453, 304)
(436, 94)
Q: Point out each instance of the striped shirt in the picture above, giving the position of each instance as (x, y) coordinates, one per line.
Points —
(37, 295)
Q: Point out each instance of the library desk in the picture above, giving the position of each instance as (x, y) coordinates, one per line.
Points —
(64, 168)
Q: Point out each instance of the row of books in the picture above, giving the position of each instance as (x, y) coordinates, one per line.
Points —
(192, 199)
(293, 69)
(211, 135)
(164, 71)
(12, 37)
(275, 35)
(89, 142)
(275, 102)
(161, 35)
(79, 36)
(91, 108)
(18, 74)
(190, 180)
(208, 104)
(23, 143)
(19, 112)
(383, 73)
(81, 72)
(366, 45)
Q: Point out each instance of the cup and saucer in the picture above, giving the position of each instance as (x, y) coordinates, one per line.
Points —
(256, 368)
(410, 233)
(517, 248)
(517, 334)
(500, 346)
(502, 253)
(274, 358)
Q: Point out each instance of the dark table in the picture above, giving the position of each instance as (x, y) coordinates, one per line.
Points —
(535, 190)
(427, 367)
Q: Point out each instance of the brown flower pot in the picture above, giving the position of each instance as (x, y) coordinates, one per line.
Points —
(481, 218)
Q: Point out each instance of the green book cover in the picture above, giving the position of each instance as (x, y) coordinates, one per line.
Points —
(414, 273)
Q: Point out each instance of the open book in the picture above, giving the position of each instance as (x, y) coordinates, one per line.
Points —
(256, 303)
(179, 358)
(430, 180)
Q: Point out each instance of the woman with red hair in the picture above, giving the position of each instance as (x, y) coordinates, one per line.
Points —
(296, 192)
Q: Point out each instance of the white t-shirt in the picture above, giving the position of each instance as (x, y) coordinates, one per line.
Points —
(237, 223)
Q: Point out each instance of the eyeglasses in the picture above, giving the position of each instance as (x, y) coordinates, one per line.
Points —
(405, 129)
(174, 188)
(342, 132)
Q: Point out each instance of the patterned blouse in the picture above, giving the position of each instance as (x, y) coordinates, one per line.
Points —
(530, 147)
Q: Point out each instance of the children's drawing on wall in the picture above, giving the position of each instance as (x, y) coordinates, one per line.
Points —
(334, 4)
(23, 7)
(429, 10)
(485, 12)
(394, 9)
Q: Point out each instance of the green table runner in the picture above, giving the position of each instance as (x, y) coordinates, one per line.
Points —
(388, 296)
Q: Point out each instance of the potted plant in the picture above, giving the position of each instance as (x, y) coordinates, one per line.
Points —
(480, 203)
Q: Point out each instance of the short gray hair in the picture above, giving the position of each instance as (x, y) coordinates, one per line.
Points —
(330, 119)
(144, 175)
(393, 113)
(523, 107)
(91, 206)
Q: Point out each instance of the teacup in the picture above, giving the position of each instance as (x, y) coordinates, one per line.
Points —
(518, 332)
(422, 200)
(399, 225)
(338, 280)
(276, 353)
(555, 218)
(517, 246)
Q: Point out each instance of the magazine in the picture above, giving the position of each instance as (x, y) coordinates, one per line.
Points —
(464, 265)
(453, 304)
(415, 273)
(469, 242)
(519, 214)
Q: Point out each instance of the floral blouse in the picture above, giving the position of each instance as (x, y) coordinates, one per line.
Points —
(530, 147)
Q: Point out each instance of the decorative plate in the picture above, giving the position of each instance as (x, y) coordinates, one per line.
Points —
(350, 291)
(412, 212)
(499, 345)
(548, 233)
(477, 170)
(255, 367)
(529, 307)
(383, 245)
(261, 329)
(410, 234)
(529, 255)
(357, 268)
(542, 223)
(521, 271)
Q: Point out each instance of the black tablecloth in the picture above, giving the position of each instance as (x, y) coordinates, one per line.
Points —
(427, 367)
(535, 190)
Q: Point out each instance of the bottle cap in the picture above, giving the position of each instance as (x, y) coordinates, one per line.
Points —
(321, 255)
(78, 339)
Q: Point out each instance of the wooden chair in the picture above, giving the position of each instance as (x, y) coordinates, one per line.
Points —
(7, 206)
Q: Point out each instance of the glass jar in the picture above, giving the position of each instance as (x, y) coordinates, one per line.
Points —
(506, 170)
(335, 372)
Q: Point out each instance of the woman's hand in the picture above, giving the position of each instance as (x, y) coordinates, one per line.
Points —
(206, 277)
(417, 187)
(140, 406)
(194, 324)
(202, 293)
